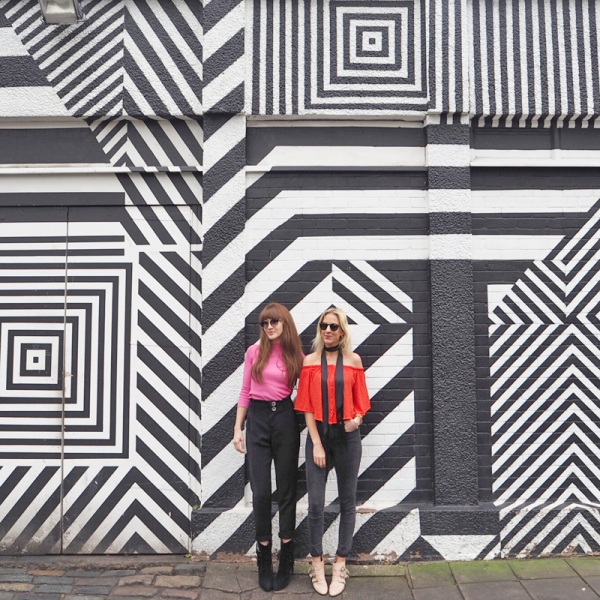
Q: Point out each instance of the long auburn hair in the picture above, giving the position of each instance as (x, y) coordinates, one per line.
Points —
(345, 341)
(291, 345)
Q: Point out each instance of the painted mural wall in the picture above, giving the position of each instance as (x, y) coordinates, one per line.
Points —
(168, 167)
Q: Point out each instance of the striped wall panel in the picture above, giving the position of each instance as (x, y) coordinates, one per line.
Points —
(535, 62)
(224, 56)
(127, 57)
(339, 57)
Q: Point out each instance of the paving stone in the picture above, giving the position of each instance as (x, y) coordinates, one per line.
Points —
(300, 584)
(6, 596)
(118, 573)
(15, 586)
(217, 595)
(221, 576)
(364, 588)
(541, 568)
(84, 573)
(41, 597)
(187, 594)
(594, 583)
(136, 591)
(93, 589)
(479, 571)
(50, 588)
(426, 575)
(177, 581)
(494, 590)
(257, 594)
(97, 580)
(85, 597)
(440, 593)
(247, 580)
(586, 567)
(191, 568)
(559, 589)
(56, 579)
(136, 579)
(158, 570)
(16, 577)
(49, 572)
(377, 570)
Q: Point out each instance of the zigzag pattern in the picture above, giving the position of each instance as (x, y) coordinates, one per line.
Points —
(151, 145)
(555, 528)
(83, 63)
(223, 58)
(546, 378)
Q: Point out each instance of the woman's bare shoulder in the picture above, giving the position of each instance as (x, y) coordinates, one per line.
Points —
(311, 360)
(354, 360)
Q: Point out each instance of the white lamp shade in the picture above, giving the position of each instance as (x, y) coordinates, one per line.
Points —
(61, 12)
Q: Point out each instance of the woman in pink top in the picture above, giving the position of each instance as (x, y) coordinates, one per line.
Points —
(271, 370)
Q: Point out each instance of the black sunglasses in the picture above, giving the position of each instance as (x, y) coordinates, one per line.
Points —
(268, 322)
(324, 326)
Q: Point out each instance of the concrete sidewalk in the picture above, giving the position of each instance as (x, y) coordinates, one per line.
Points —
(174, 577)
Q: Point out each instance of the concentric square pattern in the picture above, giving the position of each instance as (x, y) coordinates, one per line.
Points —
(367, 53)
(74, 352)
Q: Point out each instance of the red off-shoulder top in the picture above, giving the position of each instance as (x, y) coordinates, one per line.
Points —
(356, 396)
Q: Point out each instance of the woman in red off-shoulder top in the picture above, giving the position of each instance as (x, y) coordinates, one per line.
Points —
(333, 396)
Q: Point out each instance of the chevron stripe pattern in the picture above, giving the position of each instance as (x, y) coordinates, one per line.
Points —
(128, 57)
(554, 528)
(83, 63)
(545, 388)
(223, 58)
(151, 145)
(281, 263)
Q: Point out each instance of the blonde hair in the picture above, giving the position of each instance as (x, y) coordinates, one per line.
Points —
(345, 341)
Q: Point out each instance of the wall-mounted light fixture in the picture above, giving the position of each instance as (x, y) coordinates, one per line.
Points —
(61, 12)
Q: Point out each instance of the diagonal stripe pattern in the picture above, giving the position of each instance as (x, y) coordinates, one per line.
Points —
(545, 373)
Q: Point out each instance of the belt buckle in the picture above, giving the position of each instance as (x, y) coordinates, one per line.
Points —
(273, 406)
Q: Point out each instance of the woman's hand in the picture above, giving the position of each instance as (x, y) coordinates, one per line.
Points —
(350, 425)
(319, 455)
(238, 440)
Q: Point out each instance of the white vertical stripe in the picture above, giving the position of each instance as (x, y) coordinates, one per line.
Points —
(524, 69)
(576, 85)
(262, 68)
(510, 62)
(439, 65)
(587, 51)
(451, 45)
(498, 83)
(249, 51)
(537, 66)
(300, 54)
(485, 92)
(288, 57)
(276, 27)
(550, 61)
(562, 66)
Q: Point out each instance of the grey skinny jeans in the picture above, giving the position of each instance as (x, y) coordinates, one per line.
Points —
(345, 459)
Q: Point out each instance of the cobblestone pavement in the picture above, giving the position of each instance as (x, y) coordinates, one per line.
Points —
(178, 577)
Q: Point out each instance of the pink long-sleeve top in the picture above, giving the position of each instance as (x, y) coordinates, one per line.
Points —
(274, 385)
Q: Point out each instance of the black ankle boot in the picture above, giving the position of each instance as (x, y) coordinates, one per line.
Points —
(286, 566)
(264, 558)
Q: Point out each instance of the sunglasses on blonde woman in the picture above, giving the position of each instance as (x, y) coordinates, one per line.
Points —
(333, 326)
(268, 322)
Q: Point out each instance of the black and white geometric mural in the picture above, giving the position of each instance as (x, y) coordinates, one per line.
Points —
(151, 203)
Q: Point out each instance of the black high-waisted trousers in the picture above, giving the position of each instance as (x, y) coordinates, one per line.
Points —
(272, 434)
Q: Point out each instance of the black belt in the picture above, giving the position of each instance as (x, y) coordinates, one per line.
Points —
(272, 405)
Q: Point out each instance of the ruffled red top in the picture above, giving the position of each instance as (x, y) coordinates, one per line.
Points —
(356, 395)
